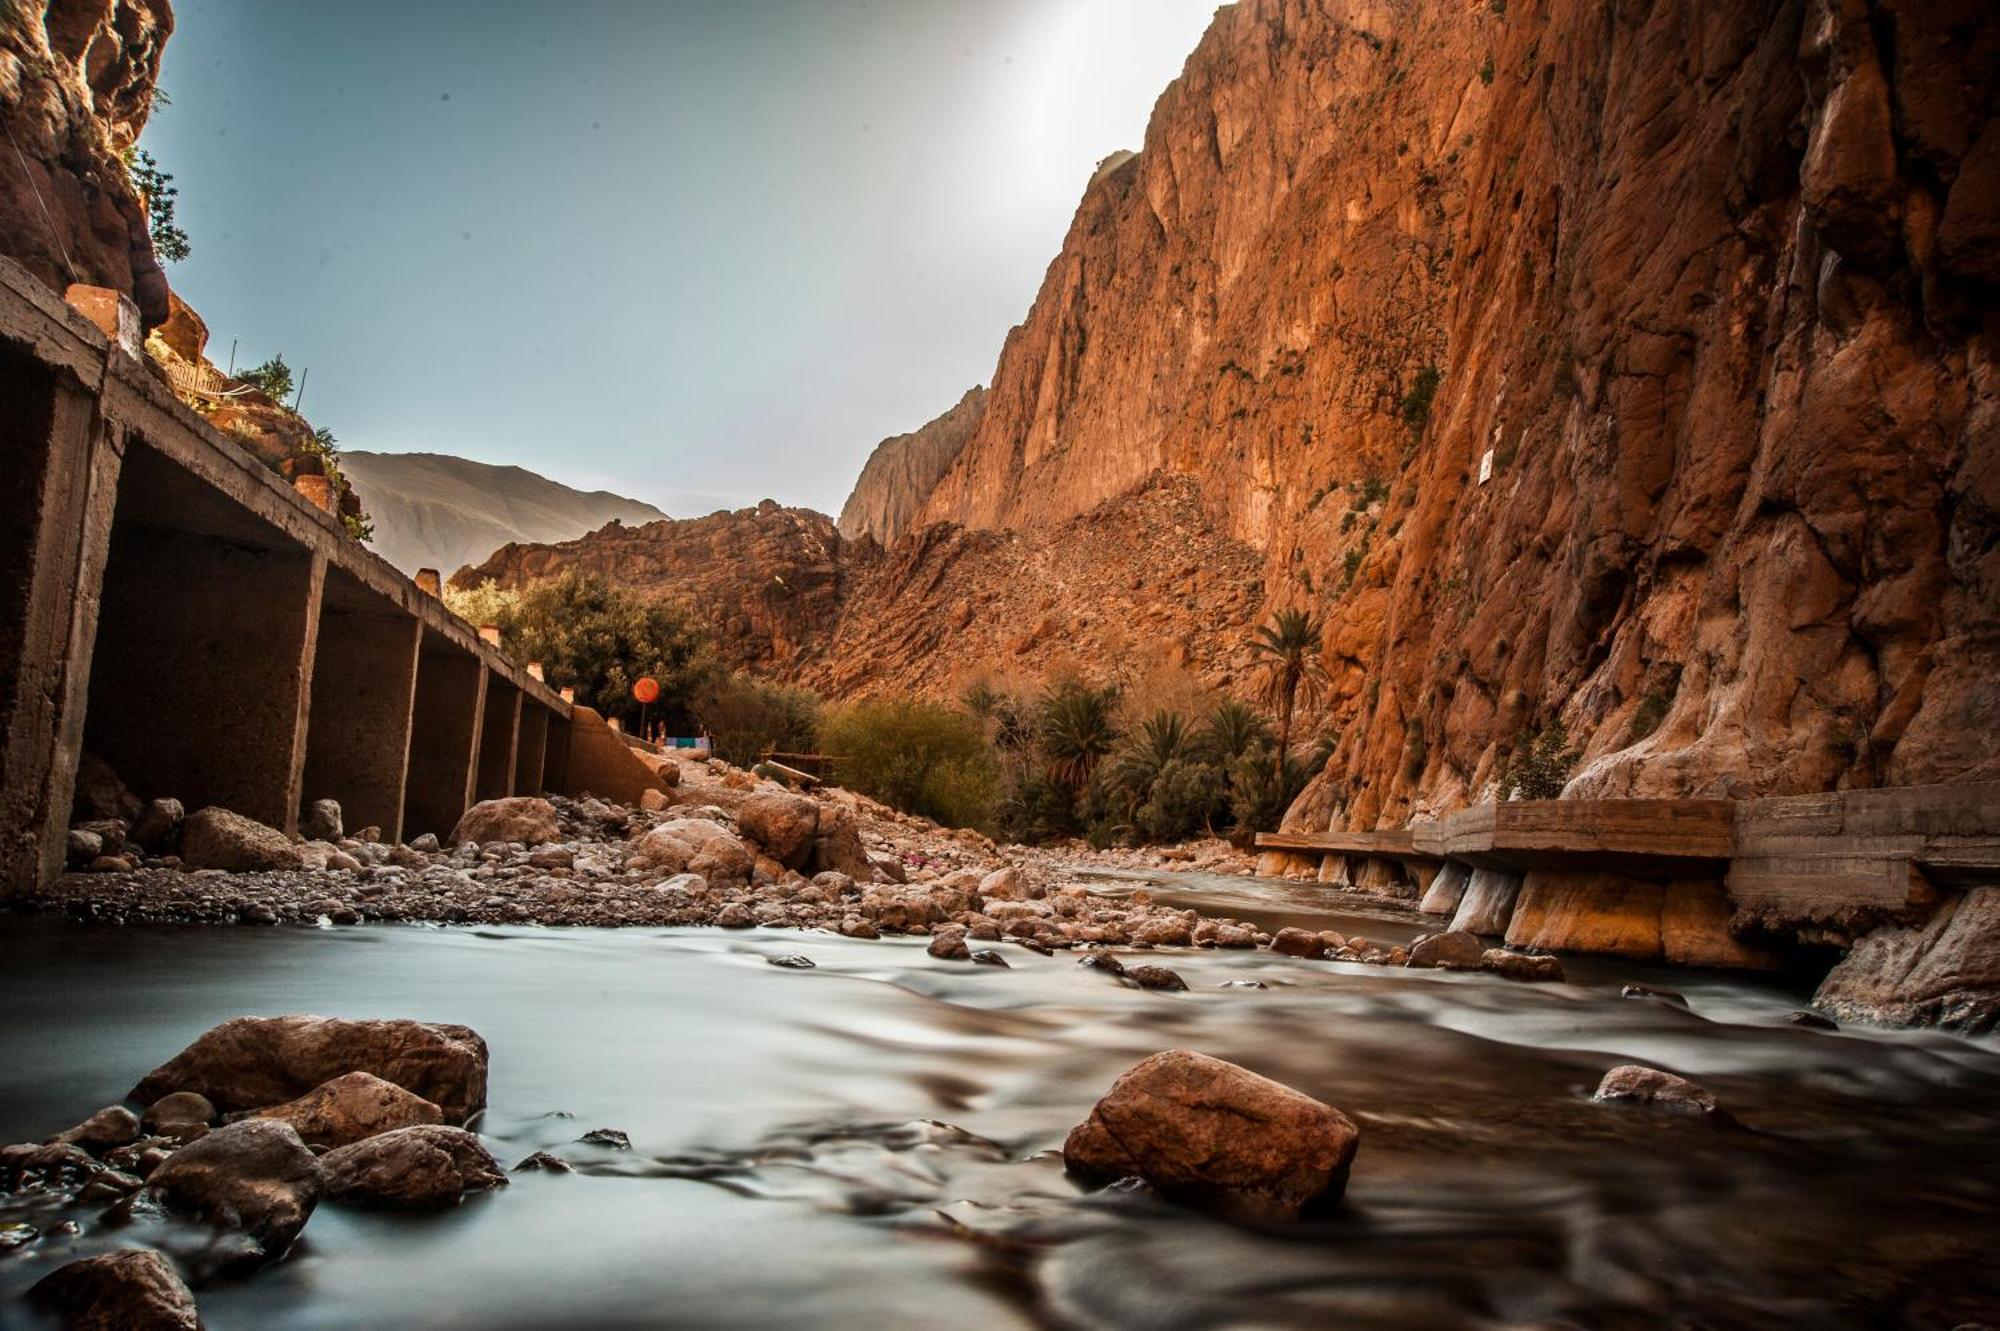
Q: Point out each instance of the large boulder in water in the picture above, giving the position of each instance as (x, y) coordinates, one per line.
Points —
(1944, 972)
(416, 1168)
(134, 1290)
(214, 838)
(1208, 1132)
(255, 1176)
(1650, 1088)
(256, 1062)
(352, 1107)
(782, 823)
(1454, 949)
(528, 819)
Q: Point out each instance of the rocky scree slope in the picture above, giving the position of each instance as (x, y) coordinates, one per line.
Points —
(432, 510)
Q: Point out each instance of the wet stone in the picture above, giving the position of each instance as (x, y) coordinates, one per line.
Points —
(1155, 977)
(543, 1162)
(793, 962)
(610, 1138)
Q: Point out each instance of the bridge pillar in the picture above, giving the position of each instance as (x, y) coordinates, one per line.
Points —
(555, 756)
(57, 491)
(531, 750)
(363, 692)
(444, 737)
(498, 735)
(200, 681)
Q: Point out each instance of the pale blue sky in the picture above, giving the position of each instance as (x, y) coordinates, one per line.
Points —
(699, 252)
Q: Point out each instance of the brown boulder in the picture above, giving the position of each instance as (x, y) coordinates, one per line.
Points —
(1455, 949)
(215, 838)
(255, 1062)
(1944, 972)
(112, 1126)
(1298, 943)
(1521, 965)
(784, 824)
(350, 1108)
(528, 819)
(133, 1290)
(182, 1116)
(255, 1176)
(697, 845)
(837, 844)
(415, 1168)
(1649, 1087)
(1214, 1134)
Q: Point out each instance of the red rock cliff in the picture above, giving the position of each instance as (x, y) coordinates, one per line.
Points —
(900, 474)
(1705, 293)
(76, 85)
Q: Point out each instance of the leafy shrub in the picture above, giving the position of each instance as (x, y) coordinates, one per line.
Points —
(920, 757)
(1186, 798)
(1416, 411)
(1646, 717)
(747, 717)
(1540, 764)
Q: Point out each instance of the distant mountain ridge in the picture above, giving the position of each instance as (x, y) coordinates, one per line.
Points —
(433, 510)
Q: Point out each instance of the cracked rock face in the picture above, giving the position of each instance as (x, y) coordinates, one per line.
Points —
(1217, 1135)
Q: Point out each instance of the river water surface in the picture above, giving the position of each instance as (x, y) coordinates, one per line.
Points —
(871, 1143)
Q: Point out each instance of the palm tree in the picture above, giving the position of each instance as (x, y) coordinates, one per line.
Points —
(1231, 729)
(1077, 730)
(1288, 651)
(1160, 739)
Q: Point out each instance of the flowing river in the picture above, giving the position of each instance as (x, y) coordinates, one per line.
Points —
(872, 1143)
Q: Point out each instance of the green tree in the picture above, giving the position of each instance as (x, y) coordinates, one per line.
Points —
(1076, 728)
(1231, 729)
(157, 188)
(600, 640)
(273, 378)
(1288, 653)
(921, 757)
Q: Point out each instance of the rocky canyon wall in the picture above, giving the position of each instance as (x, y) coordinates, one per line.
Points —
(1624, 365)
(76, 86)
(901, 473)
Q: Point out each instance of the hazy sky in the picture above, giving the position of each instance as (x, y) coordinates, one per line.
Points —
(697, 251)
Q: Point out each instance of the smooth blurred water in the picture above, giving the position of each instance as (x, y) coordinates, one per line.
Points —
(869, 1143)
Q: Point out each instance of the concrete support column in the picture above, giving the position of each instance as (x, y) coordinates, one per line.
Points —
(444, 738)
(58, 487)
(531, 749)
(555, 757)
(498, 739)
(363, 692)
(202, 674)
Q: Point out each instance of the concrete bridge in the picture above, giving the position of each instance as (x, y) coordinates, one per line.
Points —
(173, 606)
(1698, 881)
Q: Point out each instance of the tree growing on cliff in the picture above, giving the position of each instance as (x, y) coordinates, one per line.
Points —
(156, 187)
(273, 378)
(1288, 653)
